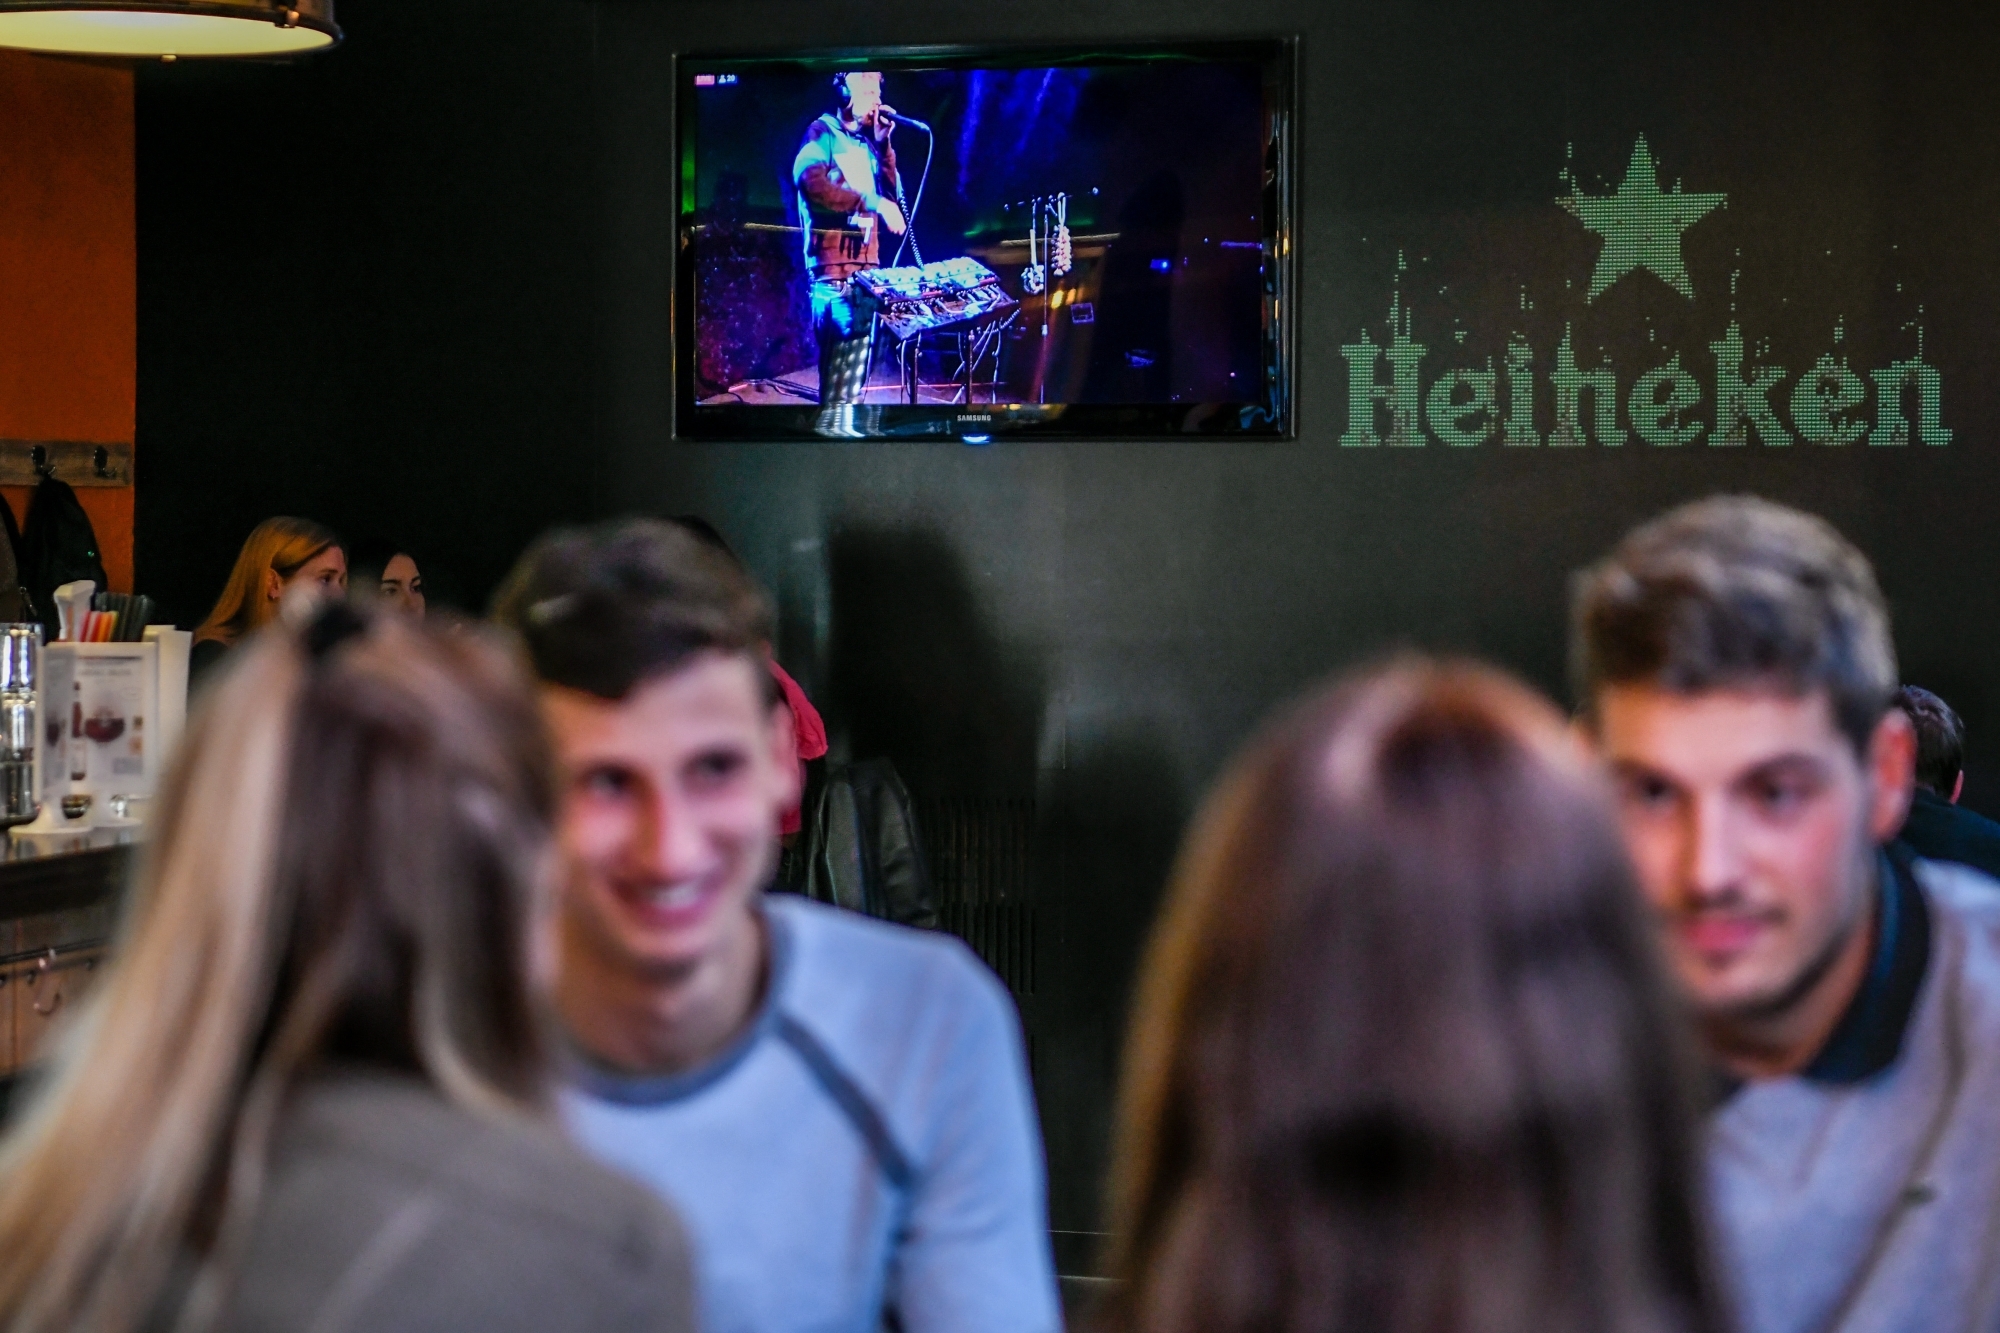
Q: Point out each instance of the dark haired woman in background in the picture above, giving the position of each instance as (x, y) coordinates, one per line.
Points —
(278, 555)
(379, 569)
(310, 1092)
(1403, 1058)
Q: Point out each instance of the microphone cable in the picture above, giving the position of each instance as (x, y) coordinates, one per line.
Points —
(910, 211)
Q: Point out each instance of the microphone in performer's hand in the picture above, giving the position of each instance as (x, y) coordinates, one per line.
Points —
(896, 117)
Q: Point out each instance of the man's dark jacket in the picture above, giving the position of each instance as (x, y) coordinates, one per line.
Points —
(1937, 830)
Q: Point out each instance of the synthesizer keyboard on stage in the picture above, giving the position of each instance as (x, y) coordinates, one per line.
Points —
(936, 296)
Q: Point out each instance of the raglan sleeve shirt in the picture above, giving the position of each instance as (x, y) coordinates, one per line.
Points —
(868, 1146)
(974, 1254)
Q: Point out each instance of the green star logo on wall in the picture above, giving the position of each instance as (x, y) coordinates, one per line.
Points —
(1641, 224)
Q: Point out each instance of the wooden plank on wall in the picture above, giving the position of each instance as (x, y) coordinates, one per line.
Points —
(78, 462)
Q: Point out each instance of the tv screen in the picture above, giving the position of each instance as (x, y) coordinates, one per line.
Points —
(960, 244)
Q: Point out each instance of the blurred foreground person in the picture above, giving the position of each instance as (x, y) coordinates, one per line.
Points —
(310, 1093)
(1734, 662)
(838, 1106)
(1938, 828)
(1401, 1055)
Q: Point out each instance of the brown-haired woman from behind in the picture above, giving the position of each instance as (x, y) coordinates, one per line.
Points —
(310, 1092)
(1401, 1056)
(278, 555)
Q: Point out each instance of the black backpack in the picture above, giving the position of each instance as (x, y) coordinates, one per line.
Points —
(863, 850)
(58, 546)
(13, 601)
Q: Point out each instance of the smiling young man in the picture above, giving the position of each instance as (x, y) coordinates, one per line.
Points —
(1736, 669)
(838, 1107)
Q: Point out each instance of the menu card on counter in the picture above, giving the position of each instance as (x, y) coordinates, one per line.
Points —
(98, 720)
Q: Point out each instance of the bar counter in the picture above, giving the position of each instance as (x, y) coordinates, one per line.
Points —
(58, 899)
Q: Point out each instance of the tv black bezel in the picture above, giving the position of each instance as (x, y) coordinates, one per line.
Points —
(1272, 418)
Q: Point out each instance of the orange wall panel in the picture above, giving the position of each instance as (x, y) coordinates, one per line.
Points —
(69, 271)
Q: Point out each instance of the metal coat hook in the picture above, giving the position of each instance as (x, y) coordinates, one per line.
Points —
(78, 462)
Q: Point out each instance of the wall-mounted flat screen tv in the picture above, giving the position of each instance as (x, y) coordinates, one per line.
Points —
(920, 243)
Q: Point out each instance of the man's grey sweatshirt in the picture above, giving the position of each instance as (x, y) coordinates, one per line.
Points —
(1863, 1195)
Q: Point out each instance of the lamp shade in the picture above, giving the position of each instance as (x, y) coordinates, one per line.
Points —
(168, 29)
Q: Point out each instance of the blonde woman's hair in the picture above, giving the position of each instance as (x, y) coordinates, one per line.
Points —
(351, 848)
(285, 545)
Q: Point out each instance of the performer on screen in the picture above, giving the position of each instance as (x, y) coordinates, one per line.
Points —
(845, 174)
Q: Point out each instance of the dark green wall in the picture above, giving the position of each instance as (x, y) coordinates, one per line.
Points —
(366, 292)
(1100, 624)
(424, 284)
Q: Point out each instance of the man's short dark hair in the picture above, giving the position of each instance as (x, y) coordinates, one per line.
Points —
(604, 607)
(1940, 739)
(1736, 592)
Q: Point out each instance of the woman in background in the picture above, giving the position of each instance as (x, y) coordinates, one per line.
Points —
(310, 1092)
(1402, 1059)
(386, 571)
(279, 554)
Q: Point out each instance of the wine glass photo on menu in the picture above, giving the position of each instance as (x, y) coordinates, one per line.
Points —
(923, 243)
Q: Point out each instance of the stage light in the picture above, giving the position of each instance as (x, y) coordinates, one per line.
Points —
(168, 29)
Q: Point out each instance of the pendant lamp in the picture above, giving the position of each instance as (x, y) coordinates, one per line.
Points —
(168, 29)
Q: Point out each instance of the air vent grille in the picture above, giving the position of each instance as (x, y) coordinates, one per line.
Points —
(982, 855)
